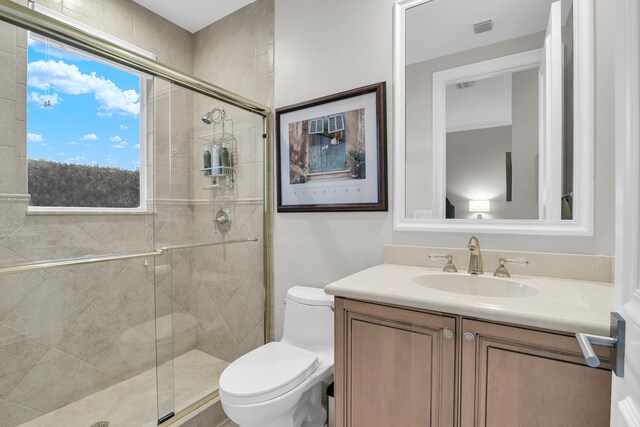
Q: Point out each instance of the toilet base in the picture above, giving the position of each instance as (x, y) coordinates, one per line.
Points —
(306, 411)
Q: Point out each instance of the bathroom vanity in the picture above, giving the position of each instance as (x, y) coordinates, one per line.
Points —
(485, 352)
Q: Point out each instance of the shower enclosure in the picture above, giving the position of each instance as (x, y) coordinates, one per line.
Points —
(126, 317)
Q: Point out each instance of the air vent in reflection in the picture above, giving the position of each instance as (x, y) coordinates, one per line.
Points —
(465, 85)
(483, 27)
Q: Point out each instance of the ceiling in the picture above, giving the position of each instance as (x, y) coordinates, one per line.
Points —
(444, 27)
(193, 15)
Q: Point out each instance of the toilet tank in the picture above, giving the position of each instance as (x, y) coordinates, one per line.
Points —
(308, 319)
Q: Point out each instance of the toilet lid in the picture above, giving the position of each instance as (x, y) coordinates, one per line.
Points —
(266, 373)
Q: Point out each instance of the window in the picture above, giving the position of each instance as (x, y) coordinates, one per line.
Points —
(316, 126)
(335, 123)
(85, 138)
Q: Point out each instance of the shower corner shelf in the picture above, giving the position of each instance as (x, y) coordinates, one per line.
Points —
(221, 177)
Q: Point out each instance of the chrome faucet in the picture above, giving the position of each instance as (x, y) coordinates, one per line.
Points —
(475, 259)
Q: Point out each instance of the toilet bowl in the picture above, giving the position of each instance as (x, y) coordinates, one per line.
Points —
(280, 384)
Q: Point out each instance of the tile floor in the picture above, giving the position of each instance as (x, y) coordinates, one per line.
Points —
(134, 402)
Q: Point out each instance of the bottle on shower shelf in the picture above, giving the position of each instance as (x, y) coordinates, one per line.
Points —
(215, 160)
(206, 157)
(224, 160)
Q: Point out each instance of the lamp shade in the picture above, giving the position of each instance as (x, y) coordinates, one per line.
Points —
(479, 206)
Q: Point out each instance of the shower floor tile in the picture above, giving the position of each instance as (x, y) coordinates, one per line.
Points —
(134, 402)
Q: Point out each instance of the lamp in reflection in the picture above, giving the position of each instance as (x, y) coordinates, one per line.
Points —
(479, 207)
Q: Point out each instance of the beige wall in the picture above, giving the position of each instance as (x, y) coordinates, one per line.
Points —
(316, 249)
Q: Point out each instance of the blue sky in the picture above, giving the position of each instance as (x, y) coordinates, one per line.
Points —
(94, 112)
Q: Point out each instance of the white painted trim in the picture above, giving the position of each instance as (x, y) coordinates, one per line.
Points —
(551, 115)
(630, 412)
(441, 79)
(584, 89)
(625, 392)
(479, 125)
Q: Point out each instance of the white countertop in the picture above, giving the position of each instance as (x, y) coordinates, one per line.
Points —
(562, 305)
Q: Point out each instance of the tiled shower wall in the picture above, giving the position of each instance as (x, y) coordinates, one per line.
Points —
(67, 333)
(235, 53)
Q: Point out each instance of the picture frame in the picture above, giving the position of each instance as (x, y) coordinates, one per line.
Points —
(331, 153)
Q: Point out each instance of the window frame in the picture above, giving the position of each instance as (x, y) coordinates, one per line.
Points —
(143, 208)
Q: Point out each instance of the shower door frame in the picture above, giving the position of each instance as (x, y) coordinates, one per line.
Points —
(30, 20)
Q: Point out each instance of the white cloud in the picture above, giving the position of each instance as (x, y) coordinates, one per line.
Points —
(75, 159)
(66, 78)
(61, 153)
(136, 147)
(121, 144)
(90, 137)
(52, 99)
(123, 127)
(115, 139)
(34, 137)
(72, 143)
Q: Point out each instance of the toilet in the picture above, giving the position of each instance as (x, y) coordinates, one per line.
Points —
(280, 383)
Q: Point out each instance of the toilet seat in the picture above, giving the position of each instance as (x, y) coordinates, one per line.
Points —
(266, 373)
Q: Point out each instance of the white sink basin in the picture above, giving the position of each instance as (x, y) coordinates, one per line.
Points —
(476, 285)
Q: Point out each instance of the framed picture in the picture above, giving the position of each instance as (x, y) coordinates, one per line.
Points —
(331, 153)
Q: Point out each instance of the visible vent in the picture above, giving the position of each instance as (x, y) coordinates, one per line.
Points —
(465, 85)
(483, 27)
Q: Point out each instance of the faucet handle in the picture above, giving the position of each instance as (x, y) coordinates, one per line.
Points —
(450, 266)
(519, 261)
(502, 271)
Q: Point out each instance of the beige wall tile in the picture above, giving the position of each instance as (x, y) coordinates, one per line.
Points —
(7, 38)
(48, 313)
(14, 414)
(147, 30)
(92, 335)
(126, 296)
(15, 288)
(52, 382)
(133, 353)
(7, 170)
(7, 122)
(18, 353)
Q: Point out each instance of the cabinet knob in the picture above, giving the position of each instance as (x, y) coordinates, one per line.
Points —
(469, 336)
(448, 334)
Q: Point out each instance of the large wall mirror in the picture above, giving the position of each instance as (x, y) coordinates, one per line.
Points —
(493, 110)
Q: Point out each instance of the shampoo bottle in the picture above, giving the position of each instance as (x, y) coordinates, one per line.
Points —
(207, 161)
(224, 160)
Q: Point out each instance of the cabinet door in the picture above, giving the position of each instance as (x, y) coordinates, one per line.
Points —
(519, 377)
(394, 367)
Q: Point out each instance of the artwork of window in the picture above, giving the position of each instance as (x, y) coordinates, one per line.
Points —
(331, 153)
(83, 129)
(335, 123)
(316, 126)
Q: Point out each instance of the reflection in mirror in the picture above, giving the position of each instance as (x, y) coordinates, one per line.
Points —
(489, 109)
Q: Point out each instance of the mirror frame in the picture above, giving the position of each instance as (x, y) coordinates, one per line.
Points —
(584, 130)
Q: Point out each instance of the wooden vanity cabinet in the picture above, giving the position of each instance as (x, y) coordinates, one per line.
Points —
(394, 367)
(512, 376)
(401, 367)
